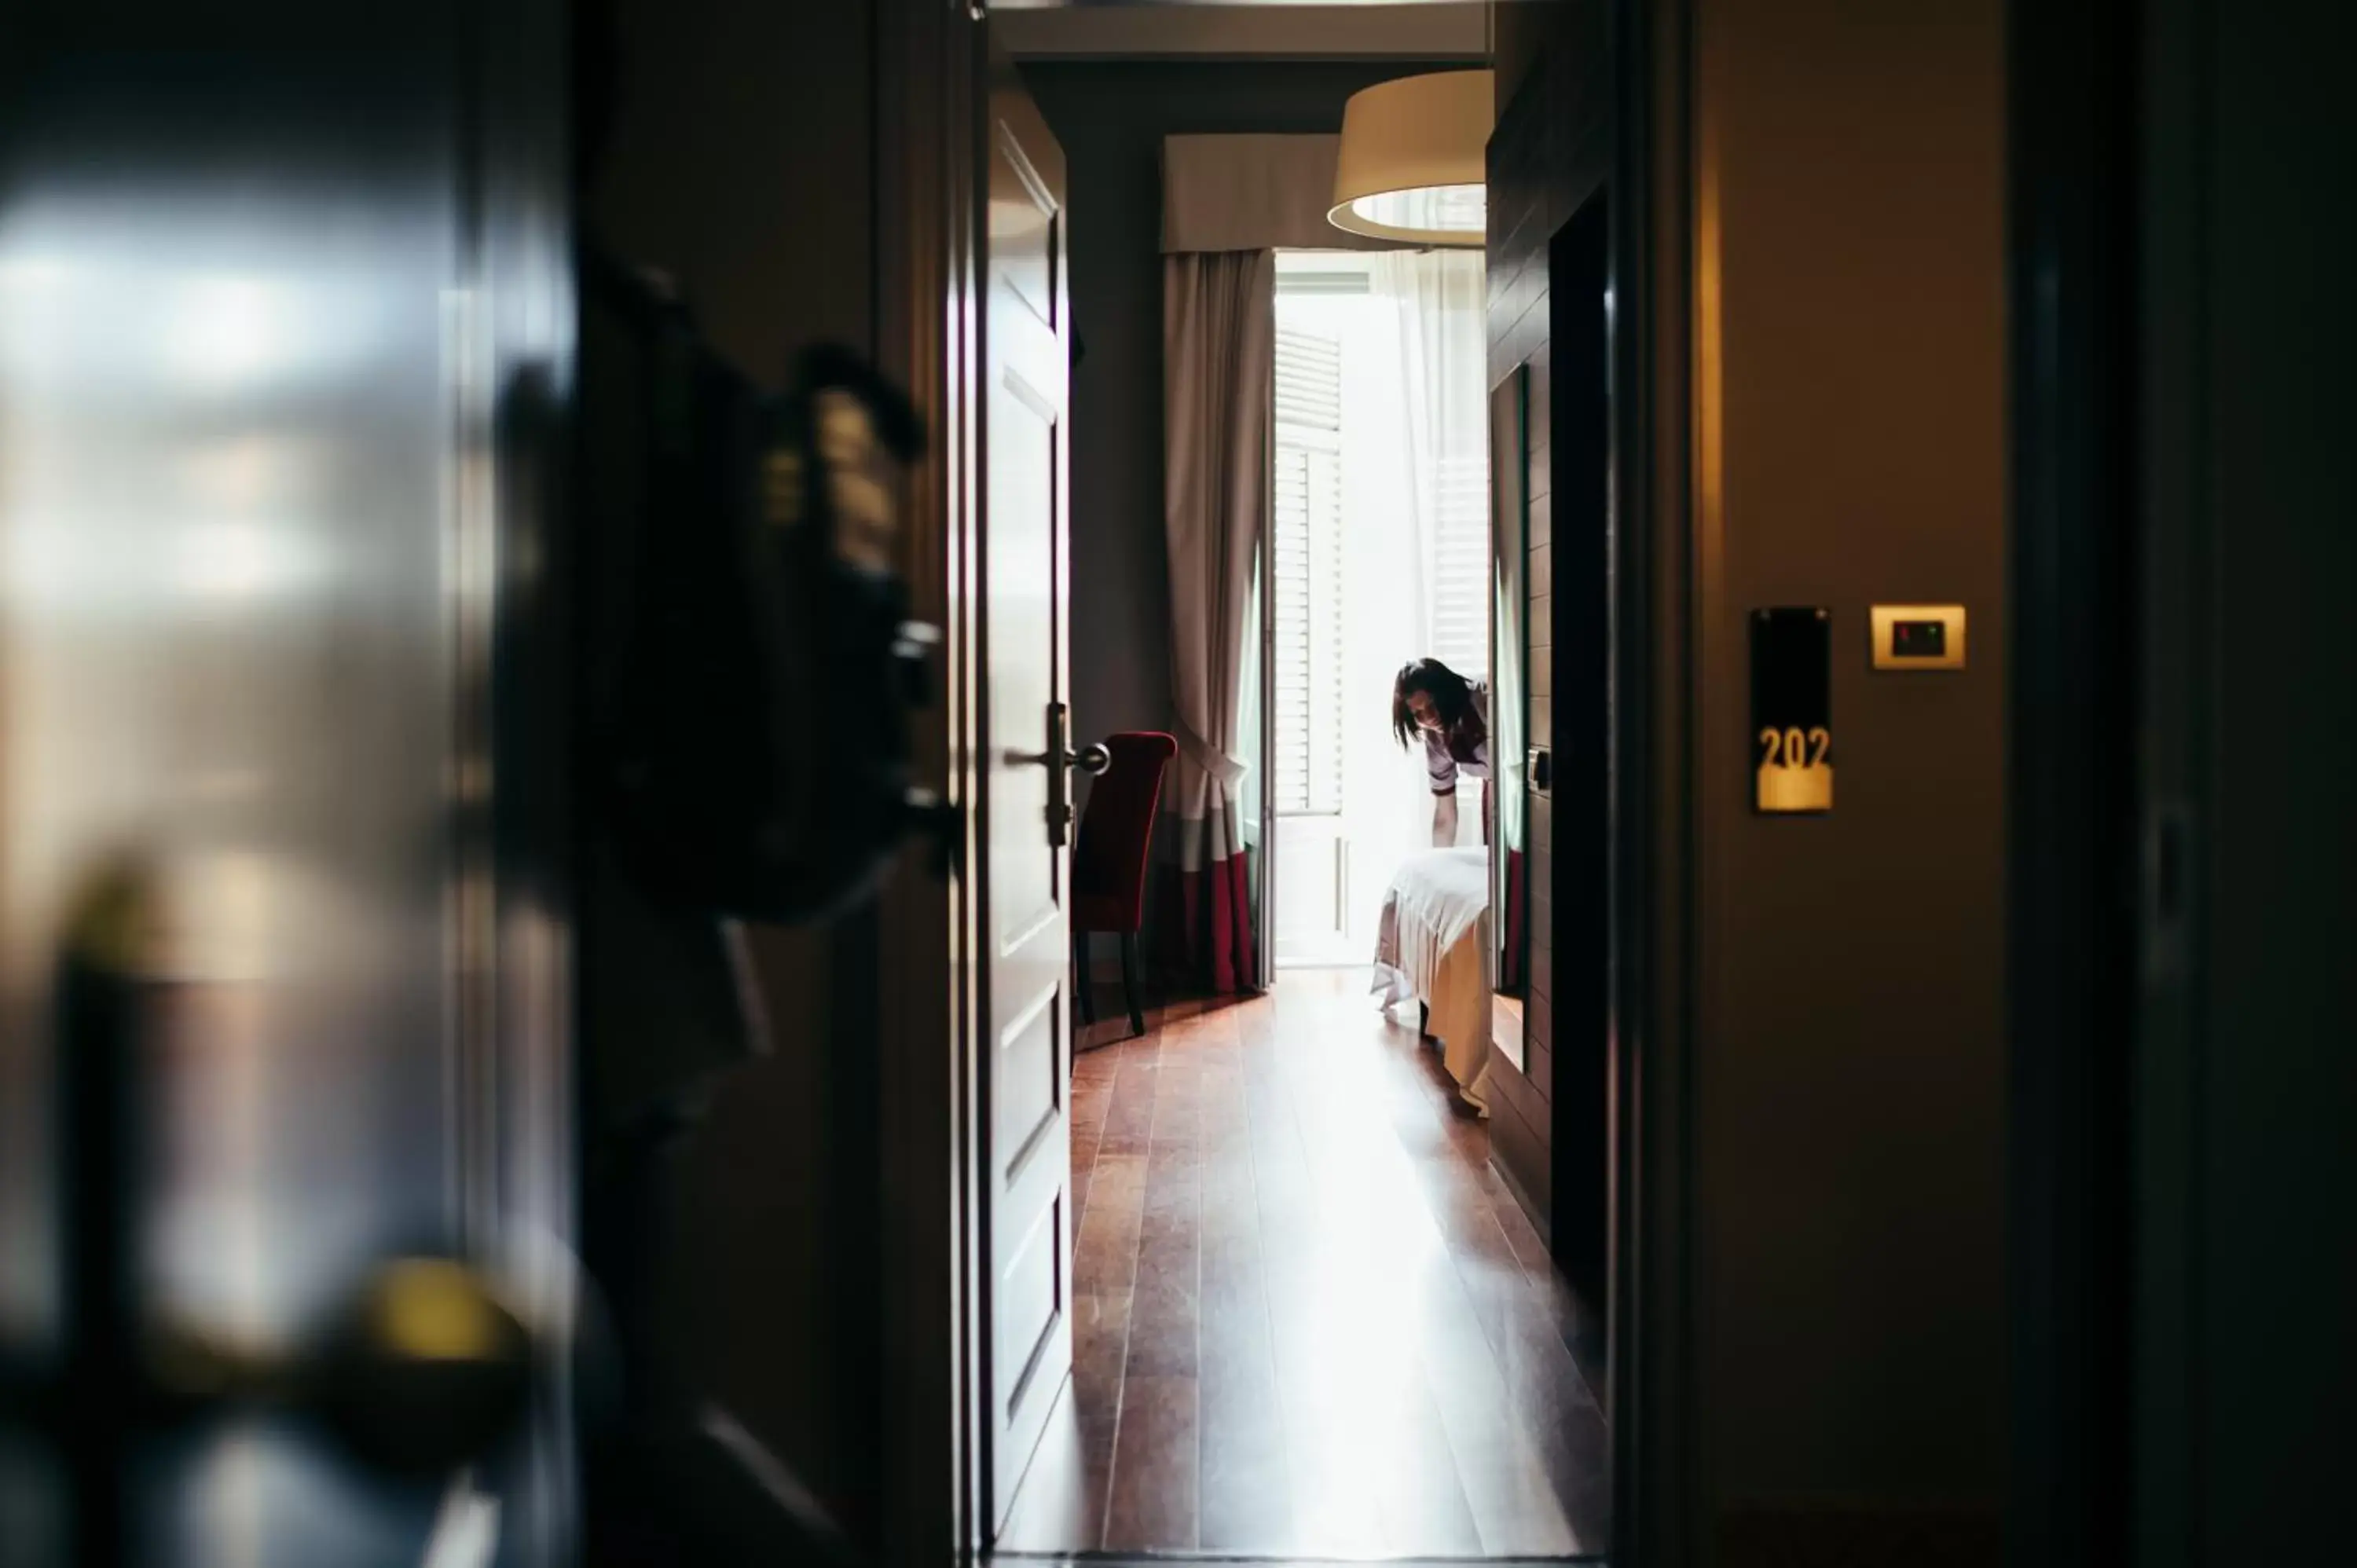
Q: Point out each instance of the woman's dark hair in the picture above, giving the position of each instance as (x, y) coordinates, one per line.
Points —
(1451, 694)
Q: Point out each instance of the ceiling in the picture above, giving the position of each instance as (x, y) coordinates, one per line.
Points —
(1242, 29)
(1196, 5)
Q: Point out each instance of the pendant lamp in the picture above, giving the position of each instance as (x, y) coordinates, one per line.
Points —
(1413, 163)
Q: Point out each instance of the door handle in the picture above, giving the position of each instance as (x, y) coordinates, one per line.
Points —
(1542, 768)
(1062, 761)
(421, 1369)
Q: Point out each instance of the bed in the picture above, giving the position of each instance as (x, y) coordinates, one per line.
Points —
(1430, 941)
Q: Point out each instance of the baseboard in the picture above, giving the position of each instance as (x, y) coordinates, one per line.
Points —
(1519, 1149)
(1532, 1210)
(1778, 1532)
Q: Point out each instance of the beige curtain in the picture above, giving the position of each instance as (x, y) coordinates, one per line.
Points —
(1251, 193)
(1219, 347)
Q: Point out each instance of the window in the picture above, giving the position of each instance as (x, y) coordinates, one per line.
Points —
(1308, 607)
(1459, 572)
(1378, 552)
(1309, 631)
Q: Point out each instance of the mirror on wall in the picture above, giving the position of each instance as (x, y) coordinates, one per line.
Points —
(1508, 701)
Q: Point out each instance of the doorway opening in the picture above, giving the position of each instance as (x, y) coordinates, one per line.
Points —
(1379, 556)
(1310, 1315)
(1313, 1301)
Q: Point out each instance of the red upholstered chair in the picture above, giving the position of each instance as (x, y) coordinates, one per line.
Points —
(1109, 860)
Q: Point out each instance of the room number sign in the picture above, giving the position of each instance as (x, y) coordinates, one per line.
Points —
(1792, 712)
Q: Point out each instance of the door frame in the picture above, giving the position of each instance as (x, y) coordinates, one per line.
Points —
(1664, 347)
(932, 75)
(930, 175)
(2074, 792)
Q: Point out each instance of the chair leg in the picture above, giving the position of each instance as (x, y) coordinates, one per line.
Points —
(1084, 991)
(1129, 983)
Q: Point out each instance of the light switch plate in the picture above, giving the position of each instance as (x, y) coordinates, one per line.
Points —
(1919, 637)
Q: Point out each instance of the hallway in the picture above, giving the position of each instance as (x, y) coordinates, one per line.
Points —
(1308, 1320)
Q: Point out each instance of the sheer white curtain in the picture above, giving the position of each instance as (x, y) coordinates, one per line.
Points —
(1415, 419)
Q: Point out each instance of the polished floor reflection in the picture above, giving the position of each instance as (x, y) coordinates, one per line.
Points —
(1309, 1321)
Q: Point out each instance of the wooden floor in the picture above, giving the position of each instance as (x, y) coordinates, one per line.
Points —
(1310, 1322)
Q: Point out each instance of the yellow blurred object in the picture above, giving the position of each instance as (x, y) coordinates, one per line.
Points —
(431, 1310)
(113, 921)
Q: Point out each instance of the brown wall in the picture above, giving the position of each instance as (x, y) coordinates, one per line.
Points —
(1849, 1126)
(741, 138)
(1848, 1131)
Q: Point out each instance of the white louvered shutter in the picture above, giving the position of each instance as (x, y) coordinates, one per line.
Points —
(1461, 563)
(1308, 572)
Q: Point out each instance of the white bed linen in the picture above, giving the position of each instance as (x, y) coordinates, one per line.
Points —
(1429, 945)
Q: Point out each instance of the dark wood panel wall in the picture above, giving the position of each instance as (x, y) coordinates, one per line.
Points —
(810, 172)
(1549, 160)
(697, 119)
